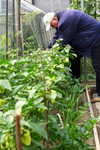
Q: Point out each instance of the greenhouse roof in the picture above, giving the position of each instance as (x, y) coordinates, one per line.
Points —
(25, 7)
(29, 7)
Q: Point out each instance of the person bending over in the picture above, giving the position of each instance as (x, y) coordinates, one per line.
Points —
(80, 31)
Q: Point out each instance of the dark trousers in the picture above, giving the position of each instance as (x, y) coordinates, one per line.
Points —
(75, 66)
(95, 55)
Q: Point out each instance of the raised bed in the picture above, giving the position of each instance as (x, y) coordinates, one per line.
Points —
(94, 109)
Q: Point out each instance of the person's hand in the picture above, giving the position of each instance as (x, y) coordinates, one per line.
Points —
(47, 49)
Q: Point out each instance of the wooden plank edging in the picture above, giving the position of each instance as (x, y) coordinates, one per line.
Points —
(94, 129)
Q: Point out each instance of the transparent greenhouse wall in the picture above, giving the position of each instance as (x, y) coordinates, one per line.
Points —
(32, 28)
(3, 34)
(3, 27)
(91, 75)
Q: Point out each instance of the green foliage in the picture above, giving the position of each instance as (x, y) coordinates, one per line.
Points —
(30, 44)
(30, 40)
(89, 6)
(3, 45)
(28, 17)
(29, 32)
(3, 41)
(23, 88)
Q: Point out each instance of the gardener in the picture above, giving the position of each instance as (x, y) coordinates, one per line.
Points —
(80, 31)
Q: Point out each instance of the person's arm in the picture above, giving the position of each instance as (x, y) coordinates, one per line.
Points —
(46, 49)
(67, 31)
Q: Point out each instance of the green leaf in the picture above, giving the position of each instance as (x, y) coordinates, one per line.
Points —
(52, 117)
(20, 104)
(51, 96)
(37, 114)
(38, 143)
(25, 74)
(3, 120)
(36, 127)
(1, 137)
(37, 101)
(3, 107)
(60, 119)
(59, 91)
(4, 61)
(12, 112)
(51, 74)
(40, 106)
(17, 89)
(16, 97)
(11, 75)
(5, 84)
(31, 147)
(93, 11)
(23, 62)
(9, 119)
(13, 62)
(1, 113)
(59, 74)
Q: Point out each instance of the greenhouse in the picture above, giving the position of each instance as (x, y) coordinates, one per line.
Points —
(29, 24)
(49, 75)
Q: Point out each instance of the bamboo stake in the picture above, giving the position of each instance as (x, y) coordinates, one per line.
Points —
(89, 91)
(18, 132)
(46, 103)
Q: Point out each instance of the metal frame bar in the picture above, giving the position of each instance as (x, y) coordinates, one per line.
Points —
(85, 67)
(6, 29)
(13, 23)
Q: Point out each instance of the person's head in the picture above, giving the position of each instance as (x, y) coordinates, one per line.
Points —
(50, 19)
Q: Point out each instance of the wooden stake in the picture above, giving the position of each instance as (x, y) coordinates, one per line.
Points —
(89, 91)
(18, 133)
(46, 103)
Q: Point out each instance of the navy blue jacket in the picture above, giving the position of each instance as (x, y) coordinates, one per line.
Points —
(77, 29)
